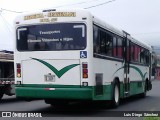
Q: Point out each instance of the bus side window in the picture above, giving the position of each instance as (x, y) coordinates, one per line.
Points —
(142, 56)
(139, 54)
(102, 42)
(96, 46)
(147, 57)
(128, 50)
(137, 49)
(132, 51)
(109, 45)
(119, 47)
(114, 46)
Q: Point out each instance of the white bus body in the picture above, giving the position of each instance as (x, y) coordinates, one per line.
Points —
(60, 55)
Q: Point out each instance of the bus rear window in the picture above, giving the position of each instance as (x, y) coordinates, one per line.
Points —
(50, 37)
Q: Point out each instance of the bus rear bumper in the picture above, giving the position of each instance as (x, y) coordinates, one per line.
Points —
(54, 93)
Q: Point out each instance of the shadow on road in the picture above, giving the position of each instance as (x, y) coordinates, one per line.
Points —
(71, 111)
(88, 109)
(9, 100)
(133, 99)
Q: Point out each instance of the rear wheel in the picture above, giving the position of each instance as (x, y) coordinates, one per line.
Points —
(1, 95)
(1, 92)
(143, 95)
(115, 95)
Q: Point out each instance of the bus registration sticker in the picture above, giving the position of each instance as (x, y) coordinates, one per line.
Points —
(49, 78)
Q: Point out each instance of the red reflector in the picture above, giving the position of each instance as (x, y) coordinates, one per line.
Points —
(18, 65)
(85, 66)
(46, 88)
(18, 70)
(85, 70)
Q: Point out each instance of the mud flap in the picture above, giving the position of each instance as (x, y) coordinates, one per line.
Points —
(99, 84)
(149, 85)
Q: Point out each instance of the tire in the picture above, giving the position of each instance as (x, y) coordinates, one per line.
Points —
(143, 95)
(1, 95)
(115, 95)
(2, 89)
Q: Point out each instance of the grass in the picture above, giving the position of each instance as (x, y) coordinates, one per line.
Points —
(151, 118)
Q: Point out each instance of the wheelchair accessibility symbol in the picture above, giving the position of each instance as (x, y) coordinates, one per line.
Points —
(83, 54)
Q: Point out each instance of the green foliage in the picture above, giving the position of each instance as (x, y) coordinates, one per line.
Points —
(151, 118)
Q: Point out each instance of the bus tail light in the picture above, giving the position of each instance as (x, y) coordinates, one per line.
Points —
(18, 70)
(85, 70)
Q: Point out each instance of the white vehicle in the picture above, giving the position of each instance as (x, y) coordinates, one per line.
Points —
(67, 55)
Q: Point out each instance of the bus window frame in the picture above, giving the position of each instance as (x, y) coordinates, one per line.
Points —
(104, 56)
(86, 29)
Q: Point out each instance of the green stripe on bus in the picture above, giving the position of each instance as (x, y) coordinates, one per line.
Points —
(137, 69)
(59, 73)
(73, 91)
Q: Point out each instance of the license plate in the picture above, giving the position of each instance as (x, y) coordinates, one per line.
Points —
(49, 78)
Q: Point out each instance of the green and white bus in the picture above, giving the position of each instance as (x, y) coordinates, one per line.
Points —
(64, 55)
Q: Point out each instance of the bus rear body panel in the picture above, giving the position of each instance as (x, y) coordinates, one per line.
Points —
(55, 77)
(52, 48)
(60, 72)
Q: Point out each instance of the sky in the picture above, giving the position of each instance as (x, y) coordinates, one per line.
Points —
(140, 18)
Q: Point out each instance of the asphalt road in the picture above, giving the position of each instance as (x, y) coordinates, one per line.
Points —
(86, 110)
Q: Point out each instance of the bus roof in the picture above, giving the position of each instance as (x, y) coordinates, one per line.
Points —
(96, 21)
